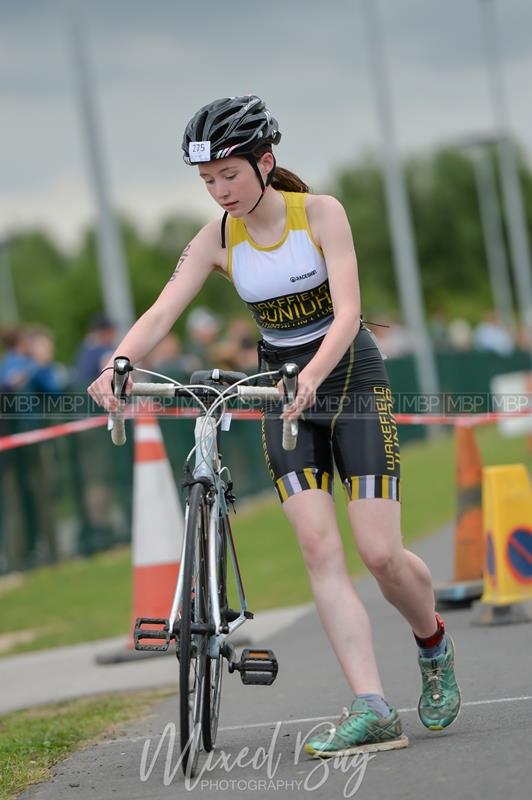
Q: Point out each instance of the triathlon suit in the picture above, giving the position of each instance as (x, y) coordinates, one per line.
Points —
(286, 289)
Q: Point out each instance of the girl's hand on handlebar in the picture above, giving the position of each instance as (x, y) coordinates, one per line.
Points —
(305, 397)
(101, 391)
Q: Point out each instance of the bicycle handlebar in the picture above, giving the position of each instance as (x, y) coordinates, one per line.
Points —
(122, 367)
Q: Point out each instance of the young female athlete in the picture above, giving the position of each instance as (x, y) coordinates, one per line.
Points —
(291, 258)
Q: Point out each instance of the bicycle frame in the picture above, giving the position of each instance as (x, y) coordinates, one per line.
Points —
(208, 469)
(205, 434)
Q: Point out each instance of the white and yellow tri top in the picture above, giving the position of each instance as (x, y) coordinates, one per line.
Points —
(285, 285)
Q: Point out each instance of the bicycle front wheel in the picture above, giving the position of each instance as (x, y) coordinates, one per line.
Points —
(192, 646)
(214, 666)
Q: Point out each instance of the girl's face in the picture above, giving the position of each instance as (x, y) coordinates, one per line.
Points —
(232, 182)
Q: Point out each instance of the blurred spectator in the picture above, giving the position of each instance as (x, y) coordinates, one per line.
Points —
(238, 350)
(47, 375)
(167, 358)
(439, 330)
(28, 363)
(203, 329)
(460, 334)
(28, 366)
(491, 335)
(523, 339)
(95, 349)
(394, 338)
(15, 365)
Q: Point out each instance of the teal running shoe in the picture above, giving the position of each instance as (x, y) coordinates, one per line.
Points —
(359, 730)
(440, 699)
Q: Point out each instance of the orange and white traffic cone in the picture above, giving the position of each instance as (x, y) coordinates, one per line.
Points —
(157, 525)
(466, 585)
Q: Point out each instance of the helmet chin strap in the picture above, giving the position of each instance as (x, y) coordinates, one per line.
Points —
(253, 161)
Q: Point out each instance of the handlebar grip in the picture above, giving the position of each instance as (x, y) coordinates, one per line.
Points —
(289, 374)
(121, 367)
(117, 426)
(289, 435)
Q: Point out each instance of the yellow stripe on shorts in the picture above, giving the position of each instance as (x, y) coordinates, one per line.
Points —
(311, 478)
(282, 490)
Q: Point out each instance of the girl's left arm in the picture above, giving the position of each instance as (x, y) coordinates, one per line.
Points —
(330, 228)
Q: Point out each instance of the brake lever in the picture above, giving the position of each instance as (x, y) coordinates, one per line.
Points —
(121, 368)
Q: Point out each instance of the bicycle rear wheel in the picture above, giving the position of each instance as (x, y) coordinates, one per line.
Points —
(192, 646)
(214, 666)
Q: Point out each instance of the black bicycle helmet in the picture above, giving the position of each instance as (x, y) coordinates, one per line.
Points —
(231, 126)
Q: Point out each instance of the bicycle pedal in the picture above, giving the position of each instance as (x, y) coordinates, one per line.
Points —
(163, 634)
(257, 667)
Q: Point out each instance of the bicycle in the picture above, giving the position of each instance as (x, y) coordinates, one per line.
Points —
(200, 620)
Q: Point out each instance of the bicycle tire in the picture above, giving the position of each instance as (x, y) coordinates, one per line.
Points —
(214, 666)
(192, 647)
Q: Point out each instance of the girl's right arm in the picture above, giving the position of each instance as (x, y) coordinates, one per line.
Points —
(195, 264)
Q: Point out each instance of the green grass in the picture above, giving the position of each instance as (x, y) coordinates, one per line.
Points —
(87, 599)
(76, 601)
(32, 741)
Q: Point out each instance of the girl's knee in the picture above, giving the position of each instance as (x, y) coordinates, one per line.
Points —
(383, 559)
(322, 550)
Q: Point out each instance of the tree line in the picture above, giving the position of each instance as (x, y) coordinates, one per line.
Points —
(61, 290)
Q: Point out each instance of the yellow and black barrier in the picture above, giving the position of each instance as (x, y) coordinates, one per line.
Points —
(507, 536)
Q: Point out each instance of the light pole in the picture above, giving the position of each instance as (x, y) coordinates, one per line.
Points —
(477, 150)
(493, 237)
(114, 279)
(403, 243)
(511, 190)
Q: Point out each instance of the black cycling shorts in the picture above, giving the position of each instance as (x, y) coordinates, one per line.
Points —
(350, 425)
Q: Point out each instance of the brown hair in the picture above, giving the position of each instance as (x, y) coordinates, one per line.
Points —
(12, 337)
(283, 179)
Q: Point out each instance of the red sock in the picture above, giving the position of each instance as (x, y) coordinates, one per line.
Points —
(435, 639)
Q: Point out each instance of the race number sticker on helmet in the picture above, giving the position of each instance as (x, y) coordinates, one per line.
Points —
(199, 151)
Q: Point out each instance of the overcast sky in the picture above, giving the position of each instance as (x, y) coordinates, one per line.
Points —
(154, 63)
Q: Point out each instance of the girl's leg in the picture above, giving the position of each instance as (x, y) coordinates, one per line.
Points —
(344, 618)
(403, 577)
(406, 582)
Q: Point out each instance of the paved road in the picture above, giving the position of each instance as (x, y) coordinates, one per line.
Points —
(61, 673)
(486, 754)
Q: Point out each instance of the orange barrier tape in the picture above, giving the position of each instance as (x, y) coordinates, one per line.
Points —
(67, 428)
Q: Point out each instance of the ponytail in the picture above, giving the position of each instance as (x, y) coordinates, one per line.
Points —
(288, 181)
(282, 179)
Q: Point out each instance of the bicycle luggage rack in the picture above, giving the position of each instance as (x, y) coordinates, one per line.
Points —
(256, 667)
(141, 633)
